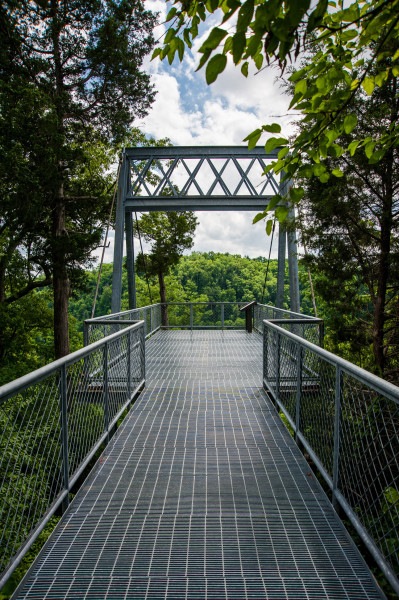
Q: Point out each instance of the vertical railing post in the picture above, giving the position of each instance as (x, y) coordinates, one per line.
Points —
(191, 316)
(105, 390)
(151, 327)
(142, 355)
(277, 365)
(298, 390)
(64, 433)
(222, 315)
(265, 353)
(145, 323)
(321, 334)
(85, 334)
(337, 431)
(128, 366)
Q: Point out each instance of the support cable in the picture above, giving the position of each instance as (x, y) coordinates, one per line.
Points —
(105, 239)
(268, 260)
(144, 260)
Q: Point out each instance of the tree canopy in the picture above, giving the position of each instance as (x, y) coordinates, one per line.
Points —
(351, 39)
(71, 80)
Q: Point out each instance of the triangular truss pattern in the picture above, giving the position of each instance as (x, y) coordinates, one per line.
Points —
(208, 178)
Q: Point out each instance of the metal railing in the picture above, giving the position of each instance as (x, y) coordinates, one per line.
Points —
(348, 422)
(52, 422)
(194, 315)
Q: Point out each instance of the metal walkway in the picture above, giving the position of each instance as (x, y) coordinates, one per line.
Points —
(201, 495)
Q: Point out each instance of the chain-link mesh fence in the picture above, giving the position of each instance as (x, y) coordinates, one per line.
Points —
(52, 422)
(348, 421)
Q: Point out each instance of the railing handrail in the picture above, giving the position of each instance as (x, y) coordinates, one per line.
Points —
(123, 312)
(377, 383)
(18, 385)
(289, 312)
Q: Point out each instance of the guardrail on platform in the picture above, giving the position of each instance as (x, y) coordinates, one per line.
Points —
(52, 422)
(192, 315)
(348, 422)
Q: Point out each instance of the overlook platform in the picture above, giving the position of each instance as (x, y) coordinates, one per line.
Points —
(201, 495)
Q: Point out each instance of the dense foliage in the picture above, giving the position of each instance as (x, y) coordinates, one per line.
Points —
(351, 40)
(71, 83)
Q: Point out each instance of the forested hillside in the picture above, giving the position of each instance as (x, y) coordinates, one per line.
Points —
(198, 277)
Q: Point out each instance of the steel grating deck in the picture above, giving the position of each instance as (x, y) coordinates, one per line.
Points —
(201, 495)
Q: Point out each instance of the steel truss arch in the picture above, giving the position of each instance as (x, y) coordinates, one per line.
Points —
(195, 178)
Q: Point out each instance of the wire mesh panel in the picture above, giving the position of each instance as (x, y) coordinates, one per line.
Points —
(51, 423)
(100, 327)
(31, 475)
(348, 420)
(369, 468)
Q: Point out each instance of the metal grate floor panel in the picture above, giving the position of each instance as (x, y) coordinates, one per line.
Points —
(201, 495)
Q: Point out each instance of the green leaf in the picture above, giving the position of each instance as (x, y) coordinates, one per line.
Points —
(321, 83)
(273, 143)
(215, 66)
(273, 202)
(324, 177)
(239, 44)
(301, 87)
(391, 495)
(281, 213)
(369, 148)
(156, 53)
(350, 123)
(253, 138)
(213, 40)
(258, 61)
(245, 15)
(244, 69)
(297, 75)
(204, 59)
(368, 85)
(170, 34)
(296, 194)
(353, 147)
(259, 217)
(269, 226)
(273, 128)
(377, 156)
(171, 13)
(337, 173)
(395, 70)
(283, 152)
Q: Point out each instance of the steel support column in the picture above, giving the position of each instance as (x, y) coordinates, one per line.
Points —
(282, 238)
(131, 275)
(293, 263)
(118, 245)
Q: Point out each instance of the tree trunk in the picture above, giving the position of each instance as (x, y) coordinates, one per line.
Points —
(164, 308)
(61, 285)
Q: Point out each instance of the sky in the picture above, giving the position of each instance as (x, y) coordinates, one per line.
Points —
(189, 112)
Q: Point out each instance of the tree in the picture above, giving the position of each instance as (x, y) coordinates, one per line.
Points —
(70, 78)
(350, 226)
(170, 233)
(325, 89)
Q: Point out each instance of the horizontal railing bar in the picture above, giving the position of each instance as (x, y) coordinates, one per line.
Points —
(110, 322)
(376, 383)
(124, 312)
(303, 321)
(18, 385)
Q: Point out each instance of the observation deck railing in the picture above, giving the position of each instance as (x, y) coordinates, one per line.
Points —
(347, 420)
(52, 423)
(54, 420)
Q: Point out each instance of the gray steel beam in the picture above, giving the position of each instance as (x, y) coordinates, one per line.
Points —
(282, 239)
(131, 275)
(118, 245)
(146, 204)
(198, 152)
(293, 264)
